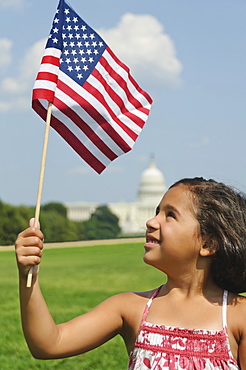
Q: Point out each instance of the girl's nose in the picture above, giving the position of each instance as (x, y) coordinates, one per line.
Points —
(152, 223)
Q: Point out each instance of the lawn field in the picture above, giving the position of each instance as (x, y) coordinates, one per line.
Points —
(73, 281)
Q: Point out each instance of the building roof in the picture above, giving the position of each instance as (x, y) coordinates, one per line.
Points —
(152, 185)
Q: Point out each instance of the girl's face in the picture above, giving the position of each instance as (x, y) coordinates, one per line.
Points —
(172, 236)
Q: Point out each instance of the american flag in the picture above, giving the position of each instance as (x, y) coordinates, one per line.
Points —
(97, 106)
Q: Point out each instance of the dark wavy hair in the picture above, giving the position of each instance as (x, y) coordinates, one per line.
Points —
(221, 213)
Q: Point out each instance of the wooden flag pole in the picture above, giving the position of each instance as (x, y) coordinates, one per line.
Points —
(41, 181)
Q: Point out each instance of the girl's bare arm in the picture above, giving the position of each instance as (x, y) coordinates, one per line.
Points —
(45, 339)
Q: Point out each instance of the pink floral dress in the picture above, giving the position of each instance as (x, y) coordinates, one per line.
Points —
(159, 347)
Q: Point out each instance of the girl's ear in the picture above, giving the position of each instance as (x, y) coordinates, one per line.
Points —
(207, 250)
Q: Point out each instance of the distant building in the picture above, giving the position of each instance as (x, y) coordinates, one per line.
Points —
(132, 216)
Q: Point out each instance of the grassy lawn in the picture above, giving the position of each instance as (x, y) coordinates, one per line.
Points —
(73, 281)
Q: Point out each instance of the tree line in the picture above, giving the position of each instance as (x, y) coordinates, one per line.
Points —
(102, 224)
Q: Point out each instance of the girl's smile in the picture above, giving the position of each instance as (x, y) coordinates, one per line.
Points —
(172, 236)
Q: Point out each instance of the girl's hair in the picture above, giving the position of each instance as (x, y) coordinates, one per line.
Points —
(221, 213)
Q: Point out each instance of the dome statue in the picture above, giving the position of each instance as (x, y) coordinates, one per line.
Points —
(152, 185)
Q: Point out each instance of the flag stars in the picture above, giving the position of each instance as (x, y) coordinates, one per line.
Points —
(80, 45)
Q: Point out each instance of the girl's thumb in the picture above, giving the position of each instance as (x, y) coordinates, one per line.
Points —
(32, 221)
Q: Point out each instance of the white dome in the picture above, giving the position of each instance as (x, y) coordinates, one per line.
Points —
(152, 185)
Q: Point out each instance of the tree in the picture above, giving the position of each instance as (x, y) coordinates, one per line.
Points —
(103, 224)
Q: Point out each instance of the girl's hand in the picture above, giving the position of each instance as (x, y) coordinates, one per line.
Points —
(28, 247)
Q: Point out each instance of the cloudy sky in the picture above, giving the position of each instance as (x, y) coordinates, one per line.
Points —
(189, 55)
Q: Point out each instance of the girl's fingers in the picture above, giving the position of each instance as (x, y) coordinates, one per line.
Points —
(29, 246)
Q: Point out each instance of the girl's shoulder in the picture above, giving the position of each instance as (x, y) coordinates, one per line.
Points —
(237, 312)
(131, 304)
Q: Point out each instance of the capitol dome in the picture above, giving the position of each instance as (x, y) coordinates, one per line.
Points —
(152, 185)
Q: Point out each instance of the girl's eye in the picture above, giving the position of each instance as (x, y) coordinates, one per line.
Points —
(171, 214)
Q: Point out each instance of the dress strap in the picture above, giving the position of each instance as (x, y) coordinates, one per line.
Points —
(224, 309)
(147, 307)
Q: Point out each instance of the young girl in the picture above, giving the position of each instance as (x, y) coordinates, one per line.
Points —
(196, 320)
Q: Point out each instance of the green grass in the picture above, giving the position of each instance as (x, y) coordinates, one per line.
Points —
(73, 281)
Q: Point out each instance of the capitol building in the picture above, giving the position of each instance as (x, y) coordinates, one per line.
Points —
(132, 216)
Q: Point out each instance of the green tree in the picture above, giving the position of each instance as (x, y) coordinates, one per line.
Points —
(12, 221)
(103, 224)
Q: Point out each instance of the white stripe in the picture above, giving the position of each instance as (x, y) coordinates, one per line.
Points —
(124, 75)
(115, 108)
(121, 92)
(53, 52)
(44, 84)
(79, 135)
(49, 68)
(97, 105)
(89, 121)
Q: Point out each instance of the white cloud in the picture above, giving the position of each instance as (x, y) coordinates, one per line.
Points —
(15, 4)
(141, 42)
(202, 142)
(138, 40)
(17, 90)
(5, 55)
(80, 170)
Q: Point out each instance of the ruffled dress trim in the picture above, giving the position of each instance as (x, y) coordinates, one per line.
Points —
(165, 347)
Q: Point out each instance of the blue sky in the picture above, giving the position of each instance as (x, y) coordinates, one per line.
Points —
(193, 67)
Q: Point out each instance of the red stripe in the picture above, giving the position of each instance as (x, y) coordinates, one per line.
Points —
(117, 99)
(147, 97)
(77, 120)
(50, 59)
(70, 138)
(43, 94)
(95, 115)
(47, 76)
(99, 96)
(121, 82)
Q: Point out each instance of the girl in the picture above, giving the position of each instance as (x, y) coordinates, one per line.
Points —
(196, 320)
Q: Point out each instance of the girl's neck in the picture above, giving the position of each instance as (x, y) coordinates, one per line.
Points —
(192, 286)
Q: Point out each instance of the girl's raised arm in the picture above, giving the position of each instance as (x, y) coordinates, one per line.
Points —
(45, 339)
